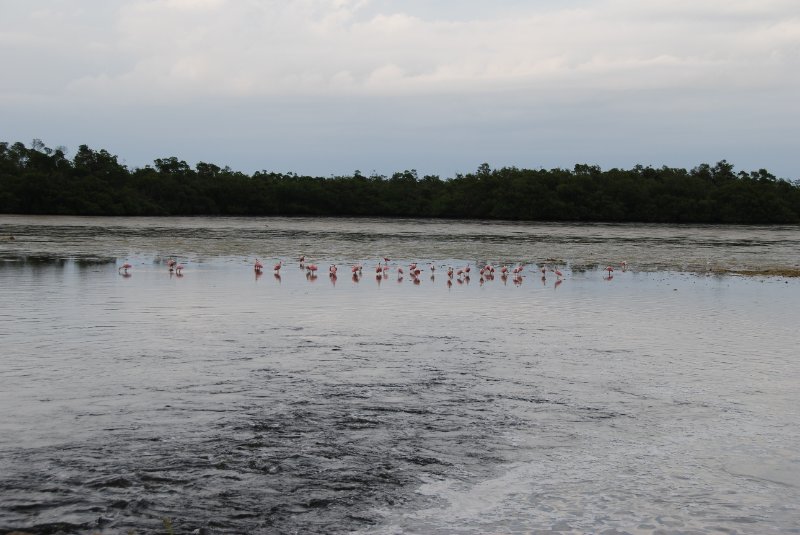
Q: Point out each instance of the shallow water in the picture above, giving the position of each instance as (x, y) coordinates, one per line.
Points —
(663, 400)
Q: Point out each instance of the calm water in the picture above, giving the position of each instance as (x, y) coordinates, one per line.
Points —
(663, 400)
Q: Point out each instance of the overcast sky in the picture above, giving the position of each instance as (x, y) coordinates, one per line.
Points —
(329, 86)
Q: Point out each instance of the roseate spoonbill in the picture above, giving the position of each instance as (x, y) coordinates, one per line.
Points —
(610, 270)
(258, 266)
(277, 267)
(125, 267)
(399, 271)
(504, 270)
(332, 270)
(559, 274)
(432, 267)
(178, 269)
(467, 268)
(171, 264)
(313, 268)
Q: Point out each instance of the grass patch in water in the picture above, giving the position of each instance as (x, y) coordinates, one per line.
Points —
(765, 272)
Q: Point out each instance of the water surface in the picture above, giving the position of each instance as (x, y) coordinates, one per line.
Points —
(662, 400)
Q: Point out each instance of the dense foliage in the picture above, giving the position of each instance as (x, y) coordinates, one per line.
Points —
(40, 180)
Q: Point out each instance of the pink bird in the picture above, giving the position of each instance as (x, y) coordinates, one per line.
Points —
(559, 274)
(399, 271)
(332, 270)
(178, 268)
(258, 266)
(312, 268)
(277, 267)
(125, 267)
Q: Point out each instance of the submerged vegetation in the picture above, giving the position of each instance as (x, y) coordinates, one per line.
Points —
(41, 180)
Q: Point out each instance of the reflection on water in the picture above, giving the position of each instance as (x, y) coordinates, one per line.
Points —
(289, 402)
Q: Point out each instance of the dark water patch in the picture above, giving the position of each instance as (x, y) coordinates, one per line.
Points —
(54, 528)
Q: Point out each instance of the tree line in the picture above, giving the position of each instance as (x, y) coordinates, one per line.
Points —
(41, 180)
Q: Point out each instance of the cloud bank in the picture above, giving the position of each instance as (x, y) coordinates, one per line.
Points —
(608, 61)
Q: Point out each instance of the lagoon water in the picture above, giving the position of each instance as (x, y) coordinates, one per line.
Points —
(662, 400)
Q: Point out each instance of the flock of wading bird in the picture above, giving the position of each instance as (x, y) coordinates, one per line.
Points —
(383, 268)
(459, 275)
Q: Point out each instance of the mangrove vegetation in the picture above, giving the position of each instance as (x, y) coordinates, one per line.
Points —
(41, 180)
